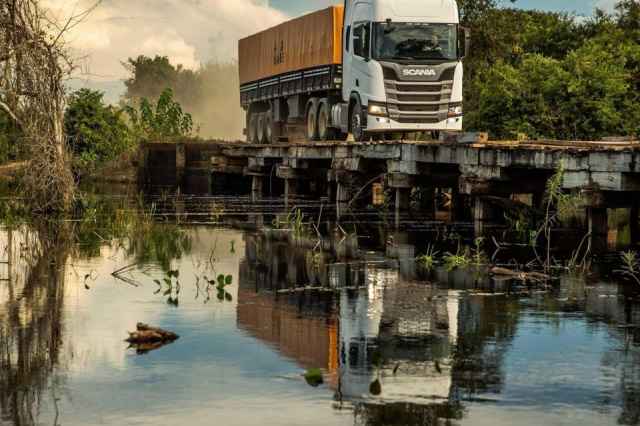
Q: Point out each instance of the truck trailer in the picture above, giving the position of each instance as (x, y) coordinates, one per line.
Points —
(372, 68)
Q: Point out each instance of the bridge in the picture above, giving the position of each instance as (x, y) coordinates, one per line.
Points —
(474, 171)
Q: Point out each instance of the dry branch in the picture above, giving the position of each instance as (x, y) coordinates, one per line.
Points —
(34, 64)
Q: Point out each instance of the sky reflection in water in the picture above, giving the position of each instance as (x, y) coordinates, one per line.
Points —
(441, 352)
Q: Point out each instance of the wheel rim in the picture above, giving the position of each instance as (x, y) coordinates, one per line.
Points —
(323, 123)
(268, 131)
(253, 130)
(356, 125)
(260, 129)
(311, 125)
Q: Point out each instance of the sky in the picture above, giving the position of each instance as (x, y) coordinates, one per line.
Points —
(581, 7)
(192, 32)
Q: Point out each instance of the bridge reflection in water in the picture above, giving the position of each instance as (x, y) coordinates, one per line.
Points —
(400, 345)
(368, 319)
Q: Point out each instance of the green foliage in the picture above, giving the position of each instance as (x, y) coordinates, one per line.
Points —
(313, 376)
(204, 93)
(294, 221)
(547, 75)
(429, 259)
(630, 265)
(163, 122)
(462, 259)
(97, 133)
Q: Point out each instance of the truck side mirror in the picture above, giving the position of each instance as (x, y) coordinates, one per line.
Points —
(464, 42)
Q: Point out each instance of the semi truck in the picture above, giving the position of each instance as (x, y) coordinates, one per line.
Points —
(370, 68)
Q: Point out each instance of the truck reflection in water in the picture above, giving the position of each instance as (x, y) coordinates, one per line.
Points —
(401, 351)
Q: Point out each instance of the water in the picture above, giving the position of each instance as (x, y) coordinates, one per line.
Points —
(398, 345)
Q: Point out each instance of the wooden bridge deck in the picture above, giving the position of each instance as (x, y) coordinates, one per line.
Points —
(606, 172)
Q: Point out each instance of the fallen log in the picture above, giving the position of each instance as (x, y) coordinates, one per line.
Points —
(146, 334)
(519, 275)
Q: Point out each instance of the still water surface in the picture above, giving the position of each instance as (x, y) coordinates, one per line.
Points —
(398, 345)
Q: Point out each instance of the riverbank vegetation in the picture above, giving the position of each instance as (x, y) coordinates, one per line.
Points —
(552, 75)
(529, 74)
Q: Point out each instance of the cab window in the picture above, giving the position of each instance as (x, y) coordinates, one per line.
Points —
(362, 39)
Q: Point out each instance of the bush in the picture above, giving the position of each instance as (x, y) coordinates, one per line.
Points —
(97, 133)
(589, 94)
(163, 122)
(548, 75)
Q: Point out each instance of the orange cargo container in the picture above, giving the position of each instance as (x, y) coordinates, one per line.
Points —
(311, 41)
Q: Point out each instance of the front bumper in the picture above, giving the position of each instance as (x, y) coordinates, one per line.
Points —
(376, 124)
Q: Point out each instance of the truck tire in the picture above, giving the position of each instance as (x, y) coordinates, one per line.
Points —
(358, 122)
(261, 128)
(312, 120)
(269, 131)
(252, 133)
(325, 133)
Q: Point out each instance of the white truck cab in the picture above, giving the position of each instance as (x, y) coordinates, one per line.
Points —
(402, 67)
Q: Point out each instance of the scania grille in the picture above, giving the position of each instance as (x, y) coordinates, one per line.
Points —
(418, 102)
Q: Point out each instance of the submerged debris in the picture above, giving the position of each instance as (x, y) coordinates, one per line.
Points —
(148, 335)
(314, 377)
(519, 275)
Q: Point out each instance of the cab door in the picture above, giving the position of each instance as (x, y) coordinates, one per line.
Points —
(357, 51)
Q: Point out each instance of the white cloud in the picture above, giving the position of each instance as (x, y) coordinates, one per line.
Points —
(606, 5)
(188, 31)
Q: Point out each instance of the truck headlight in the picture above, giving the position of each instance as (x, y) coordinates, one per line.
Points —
(378, 109)
(455, 110)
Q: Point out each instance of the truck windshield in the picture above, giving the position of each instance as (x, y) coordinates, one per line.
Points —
(415, 41)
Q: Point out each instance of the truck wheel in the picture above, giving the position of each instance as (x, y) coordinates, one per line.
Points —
(252, 136)
(325, 133)
(358, 123)
(269, 134)
(261, 128)
(312, 122)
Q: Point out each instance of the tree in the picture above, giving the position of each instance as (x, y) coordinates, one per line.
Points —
(162, 122)
(34, 62)
(97, 133)
(628, 16)
(149, 77)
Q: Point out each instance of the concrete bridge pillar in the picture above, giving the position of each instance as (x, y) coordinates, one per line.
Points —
(290, 191)
(257, 188)
(428, 201)
(598, 228)
(403, 203)
(484, 213)
(343, 195)
(459, 209)
(181, 163)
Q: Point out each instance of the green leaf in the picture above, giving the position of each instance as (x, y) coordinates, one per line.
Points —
(228, 280)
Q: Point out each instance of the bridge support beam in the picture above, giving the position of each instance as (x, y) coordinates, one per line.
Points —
(181, 164)
(598, 228)
(290, 191)
(403, 203)
(257, 188)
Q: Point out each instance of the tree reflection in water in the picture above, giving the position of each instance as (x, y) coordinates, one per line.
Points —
(31, 319)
